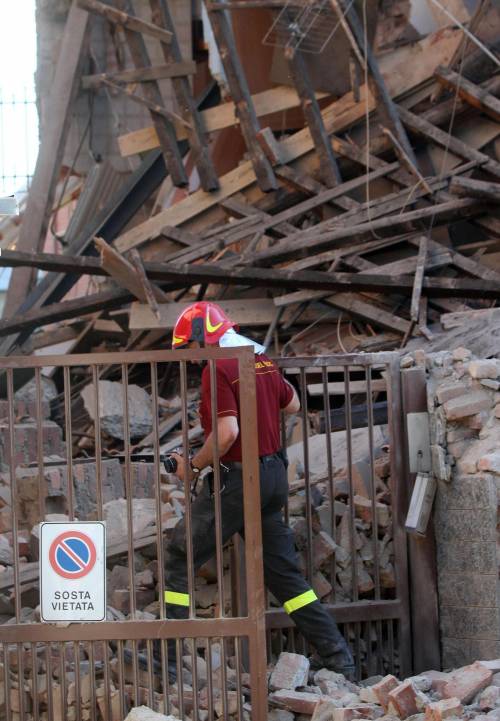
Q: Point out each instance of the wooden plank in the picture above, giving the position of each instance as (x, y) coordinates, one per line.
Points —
(303, 182)
(400, 223)
(360, 308)
(468, 318)
(386, 104)
(57, 121)
(185, 100)
(124, 273)
(473, 94)
(418, 280)
(141, 75)
(222, 116)
(126, 21)
(401, 74)
(240, 93)
(149, 289)
(430, 132)
(467, 187)
(247, 312)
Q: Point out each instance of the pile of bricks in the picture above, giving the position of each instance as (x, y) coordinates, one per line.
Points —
(469, 692)
(298, 693)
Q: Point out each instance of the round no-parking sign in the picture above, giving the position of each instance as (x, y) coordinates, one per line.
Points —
(72, 554)
(72, 572)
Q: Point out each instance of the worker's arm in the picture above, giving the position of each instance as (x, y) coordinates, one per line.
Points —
(293, 405)
(227, 432)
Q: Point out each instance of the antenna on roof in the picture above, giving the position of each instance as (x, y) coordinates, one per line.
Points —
(306, 25)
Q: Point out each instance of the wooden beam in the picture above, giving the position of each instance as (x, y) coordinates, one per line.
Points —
(386, 103)
(300, 181)
(182, 275)
(401, 223)
(141, 75)
(466, 187)
(151, 92)
(418, 280)
(473, 94)
(186, 102)
(328, 168)
(242, 98)
(57, 121)
(445, 140)
(126, 21)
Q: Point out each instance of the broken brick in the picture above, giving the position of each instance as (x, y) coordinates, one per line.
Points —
(383, 688)
(467, 405)
(323, 548)
(290, 672)
(483, 369)
(404, 700)
(296, 701)
(440, 710)
(324, 710)
(466, 682)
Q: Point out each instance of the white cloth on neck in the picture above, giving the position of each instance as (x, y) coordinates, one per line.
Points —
(232, 339)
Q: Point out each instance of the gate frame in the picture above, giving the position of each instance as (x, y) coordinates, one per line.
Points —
(376, 610)
(252, 625)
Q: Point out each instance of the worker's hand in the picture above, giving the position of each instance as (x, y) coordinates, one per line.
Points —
(182, 465)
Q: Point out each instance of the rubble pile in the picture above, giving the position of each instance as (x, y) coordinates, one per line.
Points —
(470, 692)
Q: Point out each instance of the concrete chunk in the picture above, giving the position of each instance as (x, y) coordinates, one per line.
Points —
(290, 672)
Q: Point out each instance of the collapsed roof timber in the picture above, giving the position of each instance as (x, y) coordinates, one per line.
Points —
(364, 202)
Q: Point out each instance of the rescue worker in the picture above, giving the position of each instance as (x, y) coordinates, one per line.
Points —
(203, 324)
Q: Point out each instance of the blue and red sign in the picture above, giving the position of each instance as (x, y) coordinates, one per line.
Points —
(72, 554)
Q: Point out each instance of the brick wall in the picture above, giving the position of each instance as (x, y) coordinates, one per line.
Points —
(465, 432)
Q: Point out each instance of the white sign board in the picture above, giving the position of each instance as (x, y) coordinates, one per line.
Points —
(72, 572)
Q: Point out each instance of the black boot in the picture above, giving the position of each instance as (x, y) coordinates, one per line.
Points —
(337, 658)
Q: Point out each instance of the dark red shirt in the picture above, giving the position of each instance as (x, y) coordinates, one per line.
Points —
(273, 393)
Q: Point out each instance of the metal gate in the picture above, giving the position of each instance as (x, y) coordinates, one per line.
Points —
(357, 460)
(91, 671)
(340, 497)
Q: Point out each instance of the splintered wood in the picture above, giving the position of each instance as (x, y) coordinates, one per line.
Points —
(312, 230)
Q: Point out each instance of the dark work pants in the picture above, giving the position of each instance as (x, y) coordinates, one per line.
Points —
(281, 571)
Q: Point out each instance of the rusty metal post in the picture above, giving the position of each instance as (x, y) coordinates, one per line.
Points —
(422, 550)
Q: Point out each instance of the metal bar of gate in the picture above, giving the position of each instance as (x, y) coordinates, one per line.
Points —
(94, 641)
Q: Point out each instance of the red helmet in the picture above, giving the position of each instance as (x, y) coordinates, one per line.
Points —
(203, 321)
